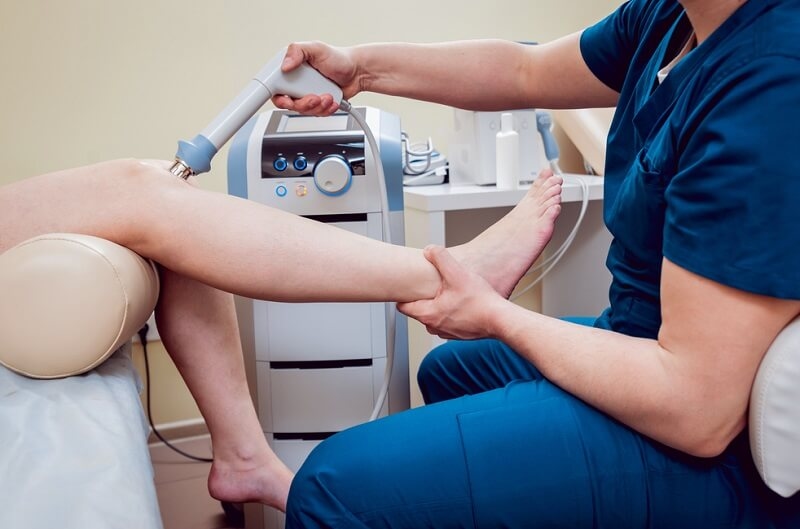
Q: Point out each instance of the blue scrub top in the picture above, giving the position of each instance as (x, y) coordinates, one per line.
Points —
(703, 169)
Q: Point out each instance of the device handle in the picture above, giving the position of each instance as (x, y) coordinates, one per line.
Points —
(194, 156)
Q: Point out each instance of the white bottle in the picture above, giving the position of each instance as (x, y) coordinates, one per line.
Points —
(507, 153)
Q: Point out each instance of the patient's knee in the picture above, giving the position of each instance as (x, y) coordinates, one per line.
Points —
(161, 169)
(145, 174)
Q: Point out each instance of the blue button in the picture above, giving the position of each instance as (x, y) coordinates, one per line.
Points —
(280, 164)
(281, 190)
(300, 163)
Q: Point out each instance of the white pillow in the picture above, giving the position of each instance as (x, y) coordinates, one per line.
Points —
(775, 413)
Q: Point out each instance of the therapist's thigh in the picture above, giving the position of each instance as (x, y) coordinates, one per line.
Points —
(527, 455)
(468, 367)
(457, 368)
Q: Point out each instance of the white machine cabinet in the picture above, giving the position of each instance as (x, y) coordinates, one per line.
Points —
(316, 368)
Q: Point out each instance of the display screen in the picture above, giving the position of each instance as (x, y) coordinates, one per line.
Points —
(337, 122)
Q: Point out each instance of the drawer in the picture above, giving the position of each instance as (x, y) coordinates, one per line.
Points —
(314, 400)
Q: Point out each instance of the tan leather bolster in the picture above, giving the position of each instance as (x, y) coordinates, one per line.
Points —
(68, 301)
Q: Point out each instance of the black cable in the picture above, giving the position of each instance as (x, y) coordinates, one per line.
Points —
(143, 339)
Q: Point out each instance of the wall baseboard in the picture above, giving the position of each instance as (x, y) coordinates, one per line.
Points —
(173, 431)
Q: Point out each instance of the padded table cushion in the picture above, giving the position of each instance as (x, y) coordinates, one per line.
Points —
(75, 452)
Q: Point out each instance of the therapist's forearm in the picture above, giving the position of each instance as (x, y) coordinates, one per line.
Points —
(635, 380)
(458, 74)
(484, 75)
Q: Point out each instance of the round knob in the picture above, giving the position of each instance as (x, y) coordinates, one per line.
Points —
(333, 175)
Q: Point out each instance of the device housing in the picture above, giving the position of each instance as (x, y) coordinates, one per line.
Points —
(316, 368)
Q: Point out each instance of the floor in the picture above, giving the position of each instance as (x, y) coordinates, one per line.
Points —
(181, 486)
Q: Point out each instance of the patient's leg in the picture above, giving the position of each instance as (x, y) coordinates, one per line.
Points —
(198, 326)
(246, 248)
(232, 244)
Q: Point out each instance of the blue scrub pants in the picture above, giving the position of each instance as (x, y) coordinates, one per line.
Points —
(500, 446)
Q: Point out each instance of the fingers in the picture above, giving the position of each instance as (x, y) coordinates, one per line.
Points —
(284, 102)
(295, 56)
(441, 334)
(315, 54)
(406, 307)
(425, 312)
(418, 310)
(310, 105)
(297, 53)
(333, 63)
(315, 105)
(448, 267)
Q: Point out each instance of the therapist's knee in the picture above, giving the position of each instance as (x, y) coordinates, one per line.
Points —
(310, 488)
(436, 372)
(315, 497)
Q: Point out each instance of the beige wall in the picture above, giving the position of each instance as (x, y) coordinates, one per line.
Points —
(88, 80)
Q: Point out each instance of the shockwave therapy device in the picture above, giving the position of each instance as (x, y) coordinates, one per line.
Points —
(314, 368)
(322, 367)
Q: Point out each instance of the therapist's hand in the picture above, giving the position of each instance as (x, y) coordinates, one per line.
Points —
(465, 306)
(337, 64)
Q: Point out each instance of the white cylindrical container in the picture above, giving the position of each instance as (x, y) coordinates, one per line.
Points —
(507, 154)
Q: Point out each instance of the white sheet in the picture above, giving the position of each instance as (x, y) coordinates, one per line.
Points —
(73, 451)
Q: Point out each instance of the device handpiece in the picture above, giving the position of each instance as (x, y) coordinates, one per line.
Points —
(194, 156)
(544, 124)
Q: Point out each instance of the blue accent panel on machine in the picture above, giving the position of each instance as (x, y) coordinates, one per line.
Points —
(197, 153)
(391, 157)
(237, 160)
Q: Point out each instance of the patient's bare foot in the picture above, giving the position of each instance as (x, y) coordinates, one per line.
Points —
(507, 249)
(266, 481)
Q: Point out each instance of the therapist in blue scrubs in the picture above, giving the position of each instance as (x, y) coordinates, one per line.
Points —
(638, 420)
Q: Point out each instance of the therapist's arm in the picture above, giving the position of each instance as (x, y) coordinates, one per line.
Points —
(475, 75)
(688, 389)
